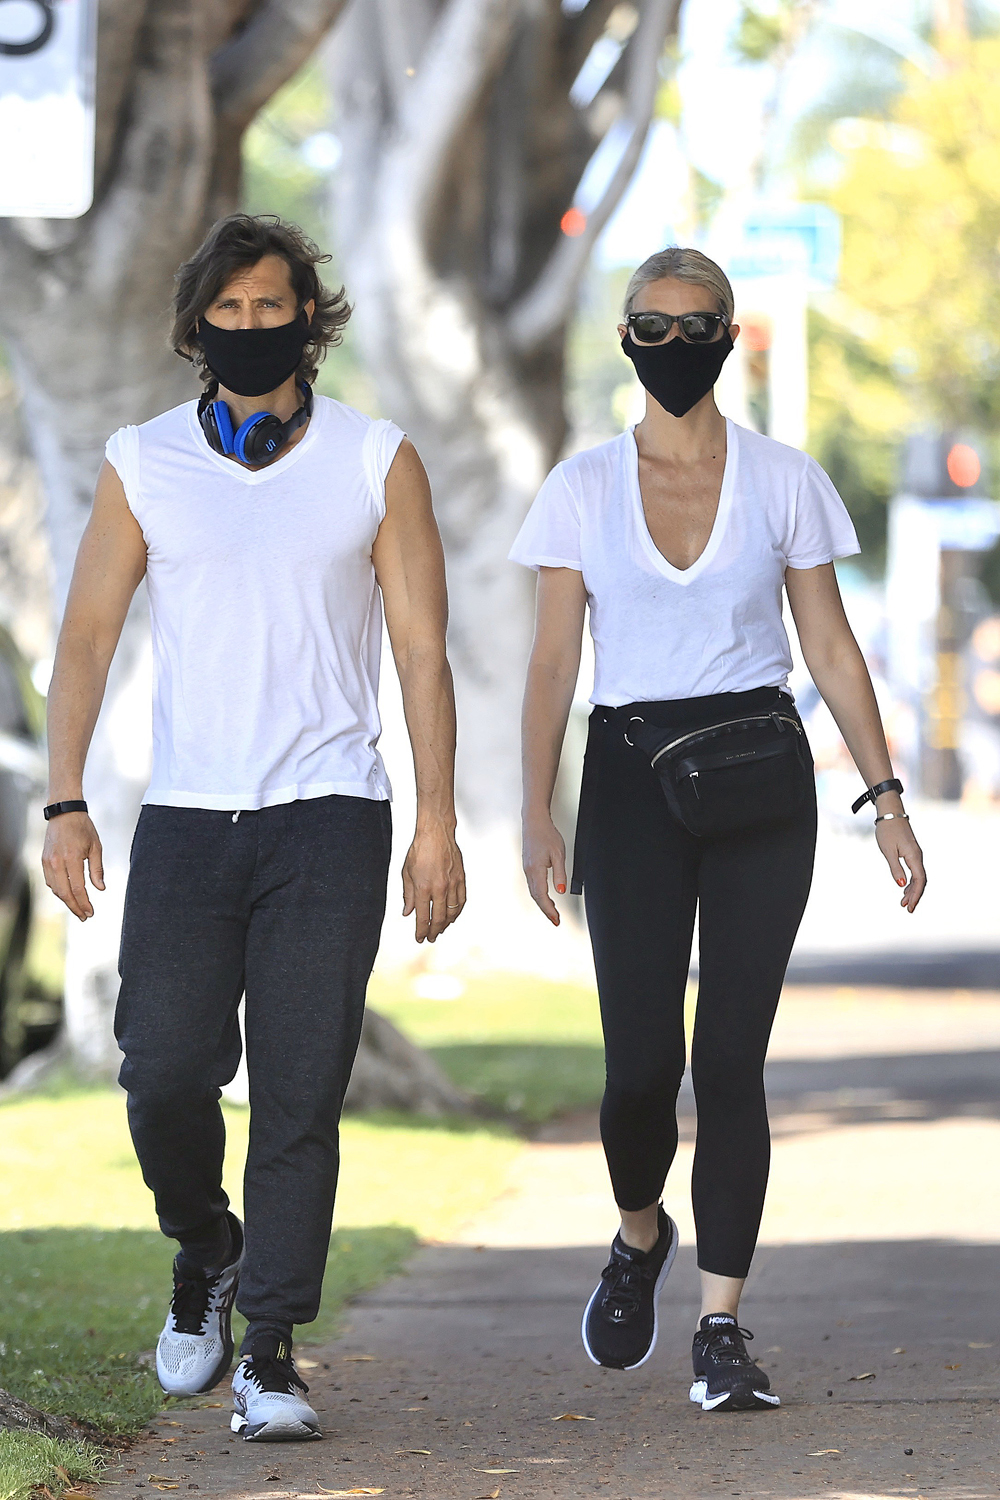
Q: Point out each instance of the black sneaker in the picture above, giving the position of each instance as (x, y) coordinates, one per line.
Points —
(724, 1374)
(619, 1324)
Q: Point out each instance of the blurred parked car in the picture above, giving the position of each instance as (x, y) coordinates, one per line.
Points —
(29, 1018)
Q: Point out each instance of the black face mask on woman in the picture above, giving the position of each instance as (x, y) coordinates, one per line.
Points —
(253, 361)
(677, 374)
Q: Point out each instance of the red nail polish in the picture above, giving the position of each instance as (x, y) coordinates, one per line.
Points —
(561, 889)
(900, 882)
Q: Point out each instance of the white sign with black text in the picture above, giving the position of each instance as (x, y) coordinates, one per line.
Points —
(47, 62)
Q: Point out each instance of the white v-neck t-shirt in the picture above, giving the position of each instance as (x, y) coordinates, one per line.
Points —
(662, 632)
(266, 616)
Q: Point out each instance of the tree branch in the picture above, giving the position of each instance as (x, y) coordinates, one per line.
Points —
(276, 41)
(547, 305)
(119, 23)
(405, 26)
(465, 49)
(584, 30)
(225, 19)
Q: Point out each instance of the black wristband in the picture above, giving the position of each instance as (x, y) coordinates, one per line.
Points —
(894, 785)
(54, 809)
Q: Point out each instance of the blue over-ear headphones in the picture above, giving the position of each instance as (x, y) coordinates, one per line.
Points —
(260, 438)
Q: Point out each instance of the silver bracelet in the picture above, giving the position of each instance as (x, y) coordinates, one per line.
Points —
(884, 817)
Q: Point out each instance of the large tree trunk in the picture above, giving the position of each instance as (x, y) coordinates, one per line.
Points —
(463, 149)
(85, 314)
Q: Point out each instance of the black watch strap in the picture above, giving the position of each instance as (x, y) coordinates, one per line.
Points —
(54, 809)
(893, 785)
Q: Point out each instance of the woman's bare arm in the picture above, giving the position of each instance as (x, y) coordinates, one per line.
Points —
(838, 669)
(548, 696)
(109, 567)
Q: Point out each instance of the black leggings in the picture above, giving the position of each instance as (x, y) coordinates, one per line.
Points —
(644, 875)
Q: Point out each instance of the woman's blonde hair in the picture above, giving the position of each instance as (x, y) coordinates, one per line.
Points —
(680, 263)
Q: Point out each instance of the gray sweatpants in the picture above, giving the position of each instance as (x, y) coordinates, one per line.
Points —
(286, 904)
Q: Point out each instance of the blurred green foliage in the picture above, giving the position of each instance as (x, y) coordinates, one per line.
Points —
(921, 206)
(759, 33)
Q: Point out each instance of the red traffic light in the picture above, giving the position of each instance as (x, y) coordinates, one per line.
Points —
(964, 467)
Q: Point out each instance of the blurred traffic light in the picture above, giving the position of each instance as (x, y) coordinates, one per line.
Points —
(944, 466)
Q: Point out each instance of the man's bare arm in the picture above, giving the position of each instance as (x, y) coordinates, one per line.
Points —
(109, 567)
(409, 566)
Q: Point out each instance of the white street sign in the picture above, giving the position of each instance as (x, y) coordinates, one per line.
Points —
(47, 61)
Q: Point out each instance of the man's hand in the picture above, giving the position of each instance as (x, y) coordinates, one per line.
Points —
(433, 881)
(70, 843)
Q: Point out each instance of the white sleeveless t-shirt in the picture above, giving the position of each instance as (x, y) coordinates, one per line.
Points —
(266, 616)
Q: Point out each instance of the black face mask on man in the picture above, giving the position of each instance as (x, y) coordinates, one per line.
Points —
(677, 374)
(253, 361)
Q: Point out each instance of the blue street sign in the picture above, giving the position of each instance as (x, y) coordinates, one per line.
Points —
(780, 238)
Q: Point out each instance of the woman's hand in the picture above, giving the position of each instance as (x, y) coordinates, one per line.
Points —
(543, 850)
(896, 840)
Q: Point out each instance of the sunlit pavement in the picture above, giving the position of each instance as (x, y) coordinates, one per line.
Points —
(873, 1299)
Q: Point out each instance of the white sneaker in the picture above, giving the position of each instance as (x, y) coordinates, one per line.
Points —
(265, 1394)
(195, 1349)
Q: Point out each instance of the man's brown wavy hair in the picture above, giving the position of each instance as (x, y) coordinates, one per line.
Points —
(234, 243)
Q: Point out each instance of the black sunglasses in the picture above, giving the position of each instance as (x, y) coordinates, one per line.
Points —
(694, 327)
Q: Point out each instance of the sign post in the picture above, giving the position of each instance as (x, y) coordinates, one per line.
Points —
(48, 51)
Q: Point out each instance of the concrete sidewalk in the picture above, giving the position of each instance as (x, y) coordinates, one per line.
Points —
(873, 1298)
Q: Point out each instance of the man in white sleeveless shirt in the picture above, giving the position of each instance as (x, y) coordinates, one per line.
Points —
(271, 526)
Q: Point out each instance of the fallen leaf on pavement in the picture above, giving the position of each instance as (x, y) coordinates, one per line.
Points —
(868, 1375)
(362, 1491)
(159, 1478)
(77, 1495)
(359, 1359)
(980, 1346)
(496, 1471)
(953, 1367)
(165, 1422)
(572, 1416)
(426, 1452)
(493, 1495)
(822, 1452)
(206, 1405)
(899, 1351)
(307, 1364)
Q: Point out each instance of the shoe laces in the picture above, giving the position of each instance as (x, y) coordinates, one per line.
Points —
(269, 1372)
(724, 1345)
(190, 1302)
(624, 1280)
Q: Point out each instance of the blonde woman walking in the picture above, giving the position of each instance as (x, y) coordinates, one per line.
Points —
(698, 788)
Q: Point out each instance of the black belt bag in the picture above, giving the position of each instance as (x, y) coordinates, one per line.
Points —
(742, 774)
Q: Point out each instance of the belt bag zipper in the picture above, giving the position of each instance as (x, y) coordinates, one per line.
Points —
(696, 734)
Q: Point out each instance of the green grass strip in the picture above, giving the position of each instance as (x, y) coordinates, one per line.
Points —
(29, 1462)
